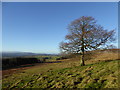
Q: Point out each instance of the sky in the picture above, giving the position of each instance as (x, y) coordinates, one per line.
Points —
(39, 27)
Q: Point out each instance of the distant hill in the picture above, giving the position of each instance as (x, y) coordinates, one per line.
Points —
(18, 54)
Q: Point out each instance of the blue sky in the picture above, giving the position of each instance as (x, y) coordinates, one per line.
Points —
(40, 26)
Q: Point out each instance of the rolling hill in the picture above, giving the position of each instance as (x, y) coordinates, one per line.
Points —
(19, 54)
(101, 71)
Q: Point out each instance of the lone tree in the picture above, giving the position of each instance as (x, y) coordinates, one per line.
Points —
(84, 34)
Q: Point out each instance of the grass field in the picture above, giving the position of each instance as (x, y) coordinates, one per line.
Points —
(101, 71)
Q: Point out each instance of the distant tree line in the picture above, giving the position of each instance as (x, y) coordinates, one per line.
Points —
(17, 61)
(13, 62)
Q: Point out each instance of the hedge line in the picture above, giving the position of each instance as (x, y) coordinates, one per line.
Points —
(13, 62)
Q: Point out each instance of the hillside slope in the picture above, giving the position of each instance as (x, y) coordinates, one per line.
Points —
(67, 74)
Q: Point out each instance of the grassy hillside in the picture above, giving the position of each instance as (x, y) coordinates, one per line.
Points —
(101, 71)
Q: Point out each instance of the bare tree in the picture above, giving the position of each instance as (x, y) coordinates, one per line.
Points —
(85, 34)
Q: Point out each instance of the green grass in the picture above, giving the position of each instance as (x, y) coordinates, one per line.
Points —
(49, 57)
(97, 75)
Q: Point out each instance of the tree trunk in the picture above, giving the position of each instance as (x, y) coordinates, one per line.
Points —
(82, 60)
(83, 50)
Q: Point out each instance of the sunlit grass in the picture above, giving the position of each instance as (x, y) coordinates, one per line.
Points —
(68, 74)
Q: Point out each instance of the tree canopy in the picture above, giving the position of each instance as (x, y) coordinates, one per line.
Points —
(85, 34)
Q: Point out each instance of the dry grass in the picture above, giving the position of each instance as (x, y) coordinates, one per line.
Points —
(96, 56)
(103, 56)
